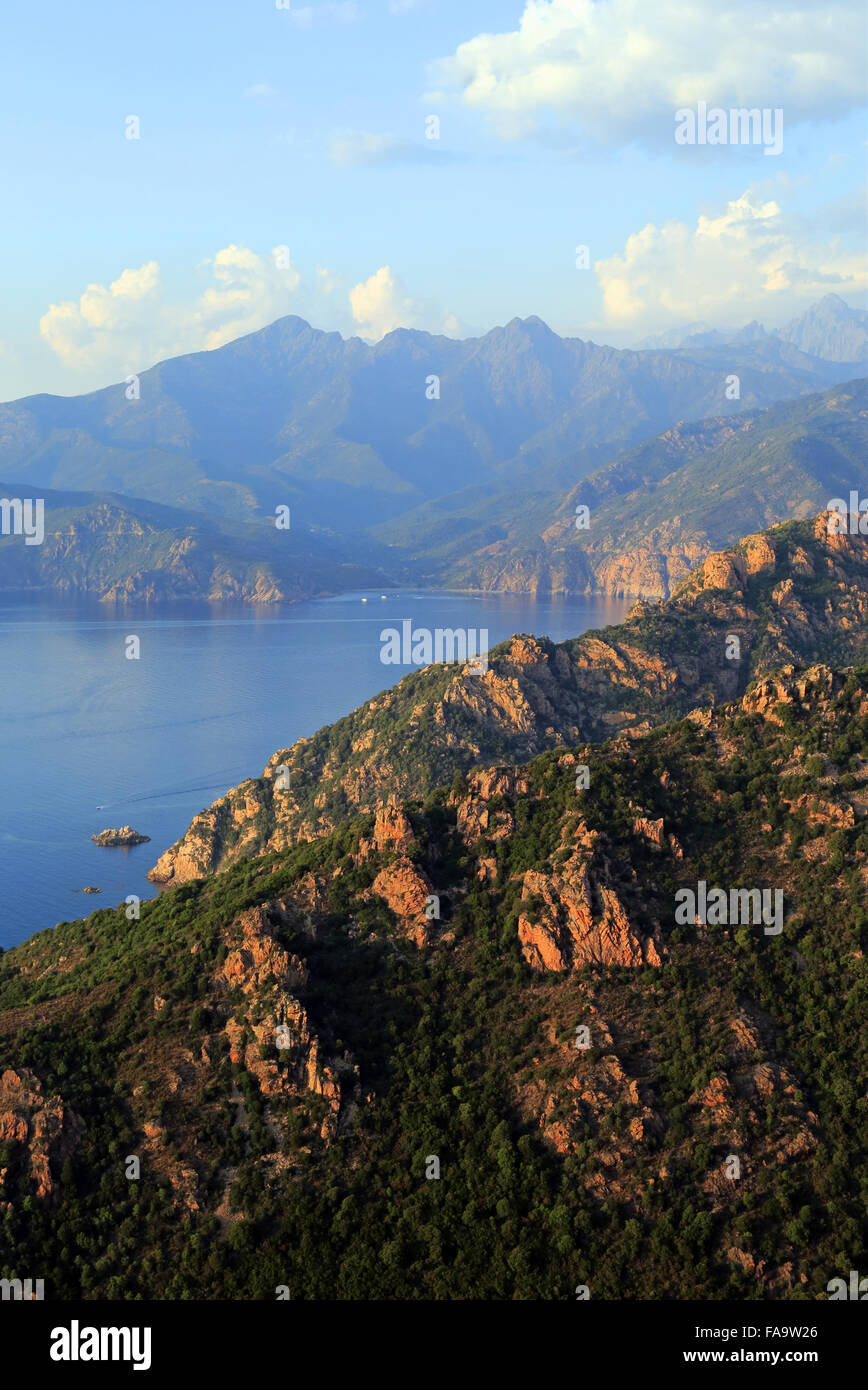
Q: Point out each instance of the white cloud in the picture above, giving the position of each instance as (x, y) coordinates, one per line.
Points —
(123, 327)
(359, 147)
(136, 284)
(328, 281)
(307, 16)
(379, 304)
(620, 68)
(262, 92)
(746, 262)
(131, 322)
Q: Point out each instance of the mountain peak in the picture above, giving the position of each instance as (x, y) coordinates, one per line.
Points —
(533, 325)
(830, 329)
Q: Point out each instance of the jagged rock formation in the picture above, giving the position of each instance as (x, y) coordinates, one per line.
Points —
(292, 1065)
(37, 1127)
(564, 932)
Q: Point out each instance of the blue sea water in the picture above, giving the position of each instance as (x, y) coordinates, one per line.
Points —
(89, 738)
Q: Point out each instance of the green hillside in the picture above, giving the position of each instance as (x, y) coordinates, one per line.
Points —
(411, 1039)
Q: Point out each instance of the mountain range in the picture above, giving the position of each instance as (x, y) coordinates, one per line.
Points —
(830, 329)
(174, 494)
(350, 435)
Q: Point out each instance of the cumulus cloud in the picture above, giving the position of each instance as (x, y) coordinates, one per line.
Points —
(125, 326)
(620, 68)
(743, 263)
(132, 321)
(380, 304)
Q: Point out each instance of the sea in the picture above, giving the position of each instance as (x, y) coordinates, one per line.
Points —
(91, 737)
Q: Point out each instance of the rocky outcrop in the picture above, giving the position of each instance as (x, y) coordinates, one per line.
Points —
(572, 918)
(407, 892)
(124, 836)
(401, 883)
(43, 1124)
(726, 570)
(260, 967)
(813, 688)
(476, 818)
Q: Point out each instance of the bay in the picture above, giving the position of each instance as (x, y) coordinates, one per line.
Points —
(90, 738)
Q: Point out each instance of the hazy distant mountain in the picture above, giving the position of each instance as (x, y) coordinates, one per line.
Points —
(702, 335)
(352, 434)
(829, 330)
(122, 548)
(671, 338)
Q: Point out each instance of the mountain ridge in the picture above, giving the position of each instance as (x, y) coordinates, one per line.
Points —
(655, 511)
(793, 595)
(354, 433)
(830, 329)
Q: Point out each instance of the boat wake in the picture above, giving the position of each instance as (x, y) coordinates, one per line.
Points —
(228, 779)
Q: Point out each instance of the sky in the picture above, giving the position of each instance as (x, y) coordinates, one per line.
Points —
(177, 175)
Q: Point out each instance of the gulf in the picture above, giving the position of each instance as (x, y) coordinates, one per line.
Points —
(90, 738)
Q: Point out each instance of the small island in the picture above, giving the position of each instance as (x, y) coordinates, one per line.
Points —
(125, 836)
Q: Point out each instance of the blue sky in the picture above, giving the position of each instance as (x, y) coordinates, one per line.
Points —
(262, 129)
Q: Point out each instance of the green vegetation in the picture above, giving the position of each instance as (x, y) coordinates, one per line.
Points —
(465, 1053)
